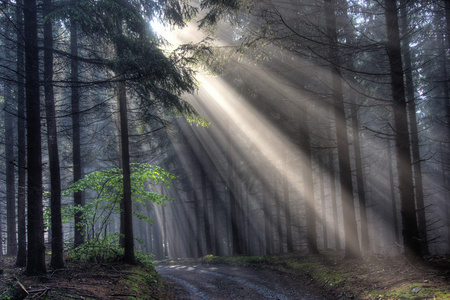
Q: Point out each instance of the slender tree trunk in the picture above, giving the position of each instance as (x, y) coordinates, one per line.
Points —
(392, 190)
(268, 235)
(10, 175)
(410, 231)
(308, 184)
(21, 147)
(76, 134)
(278, 214)
(352, 248)
(216, 207)
(198, 227)
(125, 156)
(360, 178)
(418, 186)
(57, 260)
(323, 204)
(36, 248)
(208, 240)
(236, 247)
(337, 240)
(287, 207)
(165, 239)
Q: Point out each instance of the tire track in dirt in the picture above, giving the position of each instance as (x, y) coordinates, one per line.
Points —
(230, 282)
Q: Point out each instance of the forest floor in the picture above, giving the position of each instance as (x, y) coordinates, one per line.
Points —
(375, 277)
(85, 280)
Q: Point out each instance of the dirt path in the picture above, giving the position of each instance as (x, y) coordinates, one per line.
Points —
(199, 281)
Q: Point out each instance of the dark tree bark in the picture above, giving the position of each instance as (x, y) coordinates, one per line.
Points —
(11, 241)
(36, 248)
(208, 240)
(410, 231)
(411, 104)
(76, 130)
(57, 260)
(268, 234)
(21, 147)
(125, 156)
(352, 248)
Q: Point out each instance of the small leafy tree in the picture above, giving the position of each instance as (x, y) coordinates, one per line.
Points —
(107, 192)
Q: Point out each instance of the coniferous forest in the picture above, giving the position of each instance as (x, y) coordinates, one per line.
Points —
(223, 127)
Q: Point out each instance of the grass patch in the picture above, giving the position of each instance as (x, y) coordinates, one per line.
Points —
(144, 282)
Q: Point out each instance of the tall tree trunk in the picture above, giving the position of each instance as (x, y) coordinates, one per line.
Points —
(21, 147)
(360, 178)
(268, 235)
(278, 214)
(11, 241)
(337, 240)
(207, 226)
(392, 191)
(36, 247)
(410, 231)
(411, 104)
(352, 248)
(165, 239)
(236, 247)
(323, 204)
(76, 134)
(308, 184)
(57, 260)
(287, 206)
(125, 156)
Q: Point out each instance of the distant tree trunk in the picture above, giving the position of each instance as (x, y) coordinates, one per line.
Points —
(418, 186)
(360, 178)
(57, 260)
(323, 204)
(287, 207)
(410, 231)
(236, 247)
(331, 173)
(392, 190)
(208, 240)
(352, 248)
(216, 207)
(10, 178)
(278, 214)
(21, 147)
(165, 239)
(76, 135)
(268, 235)
(198, 227)
(36, 248)
(308, 183)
